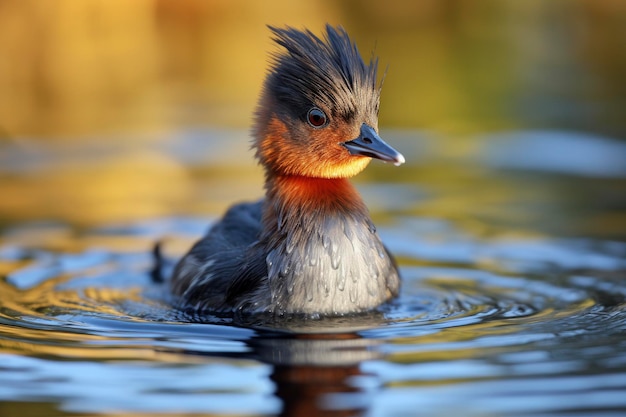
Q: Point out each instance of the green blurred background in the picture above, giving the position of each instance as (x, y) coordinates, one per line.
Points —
(97, 97)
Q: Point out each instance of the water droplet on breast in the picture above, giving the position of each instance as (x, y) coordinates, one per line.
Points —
(298, 268)
(334, 248)
(341, 283)
(307, 293)
(371, 288)
(291, 244)
(335, 260)
(347, 231)
(353, 294)
(372, 270)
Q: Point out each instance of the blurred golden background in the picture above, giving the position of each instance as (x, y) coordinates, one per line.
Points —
(120, 110)
(71, 68)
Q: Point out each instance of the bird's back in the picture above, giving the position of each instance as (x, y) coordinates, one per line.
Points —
(202, 277)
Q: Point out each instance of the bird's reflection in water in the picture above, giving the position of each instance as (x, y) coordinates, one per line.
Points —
(317, 363)
(305, 390)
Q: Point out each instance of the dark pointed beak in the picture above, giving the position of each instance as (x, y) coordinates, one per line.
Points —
(370, 144)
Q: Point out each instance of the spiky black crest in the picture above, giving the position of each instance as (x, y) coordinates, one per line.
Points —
(326, 72)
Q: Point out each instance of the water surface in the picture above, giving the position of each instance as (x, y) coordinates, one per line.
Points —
(512, 250)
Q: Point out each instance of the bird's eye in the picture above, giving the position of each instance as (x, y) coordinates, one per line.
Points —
(316, 117)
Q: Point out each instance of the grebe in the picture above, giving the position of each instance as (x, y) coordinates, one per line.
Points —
(310, 245)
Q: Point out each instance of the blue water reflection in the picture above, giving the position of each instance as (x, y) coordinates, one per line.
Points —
(513, 298)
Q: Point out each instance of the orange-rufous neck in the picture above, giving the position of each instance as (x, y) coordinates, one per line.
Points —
(315, 194)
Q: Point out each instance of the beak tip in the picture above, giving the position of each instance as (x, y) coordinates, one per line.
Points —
(399, 160)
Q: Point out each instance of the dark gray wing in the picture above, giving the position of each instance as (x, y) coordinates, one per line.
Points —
(202, 277)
